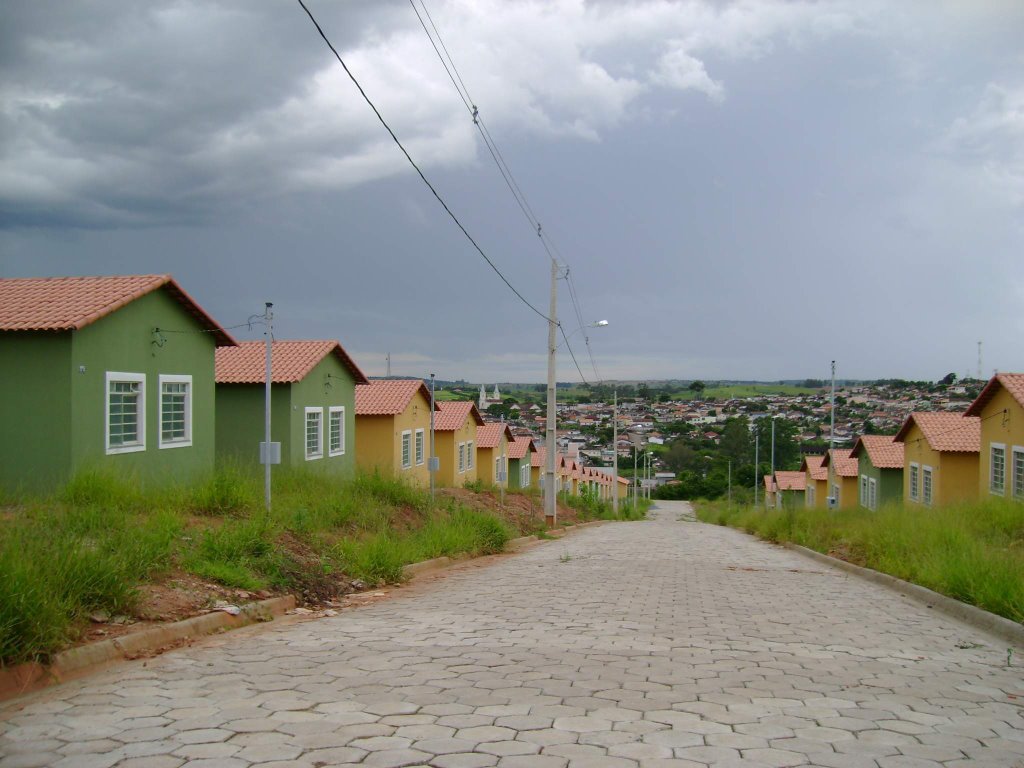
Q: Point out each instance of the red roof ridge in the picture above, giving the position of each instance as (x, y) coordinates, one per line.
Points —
(489, 435)
(389, 397)
(452, 415)
(520, 446)
(72, 303)
(882, 451)
(1011, 382)
(945, 432)
(292, 360)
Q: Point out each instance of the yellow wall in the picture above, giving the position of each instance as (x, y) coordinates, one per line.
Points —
(1007, 430)
(954, 475)
(485, 462)
(849, 494)
(379, 442)
(447, 446)
(820, 492)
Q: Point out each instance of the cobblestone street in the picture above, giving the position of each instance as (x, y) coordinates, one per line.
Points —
(657, 643)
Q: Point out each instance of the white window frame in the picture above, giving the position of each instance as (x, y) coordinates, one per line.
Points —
(914, 476)
(419, 447)
(462, 458)
(836, 490)
(470, 455)
(524, 475)
(809, 496)
(992, 448)
(1017, 475)
(927, 473)
(339, 411)
(406, 448)
(130, 378)
(864, 490)
(872, 494)
(319, 454)
(170, 378)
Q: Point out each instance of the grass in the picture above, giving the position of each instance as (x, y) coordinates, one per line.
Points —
(972, 552)
(90, 546)
(590, 508)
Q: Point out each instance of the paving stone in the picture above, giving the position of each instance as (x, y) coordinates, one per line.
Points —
(665, 643)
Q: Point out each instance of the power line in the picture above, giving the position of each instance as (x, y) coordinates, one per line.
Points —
(412, 162)
(547, 243)
(572, 354)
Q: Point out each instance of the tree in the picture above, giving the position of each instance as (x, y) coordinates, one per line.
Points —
(681, 456)
(736, 442)
(948, 380)
(643, 391)
(697, 387)
(787, 451)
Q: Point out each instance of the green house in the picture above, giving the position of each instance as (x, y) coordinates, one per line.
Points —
(312, 398)
(879, 470)
(111, 373)
(519, 457)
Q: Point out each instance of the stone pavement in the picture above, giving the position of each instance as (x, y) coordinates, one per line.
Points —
(658, 643)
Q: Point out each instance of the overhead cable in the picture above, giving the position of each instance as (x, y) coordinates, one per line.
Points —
(412, 162)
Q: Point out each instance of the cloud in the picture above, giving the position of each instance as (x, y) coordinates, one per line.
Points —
(177, 111)
(989, 142)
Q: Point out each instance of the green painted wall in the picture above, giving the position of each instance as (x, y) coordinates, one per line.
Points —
(240, 418)
(890, 481)
(124, 341)
(35, 410)
(514, 466)
(59, 382)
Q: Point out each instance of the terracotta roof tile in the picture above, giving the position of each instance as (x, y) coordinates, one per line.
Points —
(388, 397)
(489, 435)
(452, 415)
(521, 446)
(945, 432)
(839, 459)
(816, 466)
(291, 361)
(882, 451)
(791, 481)
(537, 459)
(71, 303)
(769, 484)
(1011, 382)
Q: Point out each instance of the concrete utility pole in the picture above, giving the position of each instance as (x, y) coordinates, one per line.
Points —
(550, 504)
(832, 413)
(636, 483)
(730, 483)
(773, 449)
(757, 479)
(268, 318)
(615, 453)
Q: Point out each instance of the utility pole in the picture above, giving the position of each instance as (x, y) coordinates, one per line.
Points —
(773, 449)
(268, 319)
(615, 453)
(387, 362)
(979, 361)
(430, 461)
(636, 479)
(550, 505)
(730, 483)
(832, 413)
(757, 472)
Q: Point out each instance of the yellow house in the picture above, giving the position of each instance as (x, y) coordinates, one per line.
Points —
(537, 467)
(393, 429)
(817, 481)
(940, 462)
(1000, 406)
(492, 442)
(770, 490)
(842, 477)
(455, 442)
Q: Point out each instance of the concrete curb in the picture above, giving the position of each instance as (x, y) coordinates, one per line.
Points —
(969, 614)
(74, 662)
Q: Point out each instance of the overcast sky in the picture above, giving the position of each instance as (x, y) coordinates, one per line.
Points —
(743, 190)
